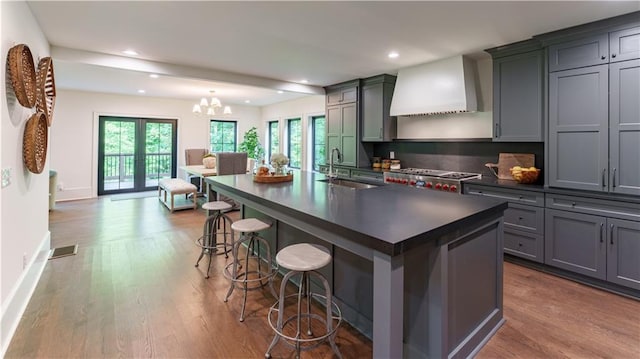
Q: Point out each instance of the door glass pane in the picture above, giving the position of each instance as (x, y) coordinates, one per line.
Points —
(119, 154)
(158, 156)
(295, 143)
(319, 135)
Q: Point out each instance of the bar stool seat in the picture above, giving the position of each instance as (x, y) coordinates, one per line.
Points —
(209, 240)
(241, 275)
(304, 259)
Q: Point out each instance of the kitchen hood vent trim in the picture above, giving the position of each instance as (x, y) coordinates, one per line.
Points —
(441, 87)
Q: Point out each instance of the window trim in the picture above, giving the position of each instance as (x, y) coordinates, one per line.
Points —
(269, 132)
(289, 120)
(235, 133)
(313, 138)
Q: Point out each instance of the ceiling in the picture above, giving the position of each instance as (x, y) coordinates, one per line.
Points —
(247, 50)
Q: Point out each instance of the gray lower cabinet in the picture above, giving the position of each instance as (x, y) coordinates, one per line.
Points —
(588, 51)
(518, 97)
(340, 171)
(578, 128)
(576, 242)
(624, 127)
(523, 220)
(593, 237)
(377, 124)
(625, 44)
(623, 255)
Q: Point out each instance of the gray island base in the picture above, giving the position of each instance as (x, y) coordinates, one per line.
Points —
(417, 271)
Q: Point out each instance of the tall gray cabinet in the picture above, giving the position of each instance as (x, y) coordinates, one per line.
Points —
(594, 113)
(342, 121)
(518, 92)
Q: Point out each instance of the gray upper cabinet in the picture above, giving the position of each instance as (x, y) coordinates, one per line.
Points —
(518, 97)
(623, 254)
(589, 51)
(624, 127)
(624, 44)
(377, 124)
(342, 95)
(578, 128)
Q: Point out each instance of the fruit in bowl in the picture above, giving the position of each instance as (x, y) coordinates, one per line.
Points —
(524, 174)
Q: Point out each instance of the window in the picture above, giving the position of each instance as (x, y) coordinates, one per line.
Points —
(319, 134)
(274, 139)
(222, 136)
(294, 145)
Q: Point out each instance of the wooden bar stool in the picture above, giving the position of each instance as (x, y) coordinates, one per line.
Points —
(304, 259)
(209, 240)
(240, 274)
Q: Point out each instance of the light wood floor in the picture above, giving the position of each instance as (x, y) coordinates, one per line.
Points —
(132, 291)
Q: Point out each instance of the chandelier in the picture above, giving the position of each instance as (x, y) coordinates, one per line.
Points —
(209, 107)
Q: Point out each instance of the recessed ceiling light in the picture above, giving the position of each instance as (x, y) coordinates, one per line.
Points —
(247, 101)
(305, 81)
(154, 76)
(130, 52)
(393, 55)
(141, 91)
(280, 91)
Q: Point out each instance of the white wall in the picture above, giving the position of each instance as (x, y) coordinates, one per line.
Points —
(464, 125)
(24, 203)
(303, 108)
(74, 137)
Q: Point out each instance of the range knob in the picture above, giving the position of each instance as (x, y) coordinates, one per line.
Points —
(429, 185)
(404, 181)
(445, 187)
(412, 182)
(438, 186)
(453, 188)
(389, 179)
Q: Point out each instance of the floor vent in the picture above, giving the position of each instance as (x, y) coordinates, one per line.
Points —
(63, 251)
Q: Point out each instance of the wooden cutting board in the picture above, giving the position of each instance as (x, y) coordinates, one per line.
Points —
(508, 160)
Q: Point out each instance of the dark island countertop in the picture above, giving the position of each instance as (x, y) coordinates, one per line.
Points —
(389, 218)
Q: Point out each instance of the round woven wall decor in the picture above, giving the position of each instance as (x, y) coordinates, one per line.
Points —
(34, 145)
(46, 88)
(22, 74)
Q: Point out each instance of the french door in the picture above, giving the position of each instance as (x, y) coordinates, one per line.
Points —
(135, 153)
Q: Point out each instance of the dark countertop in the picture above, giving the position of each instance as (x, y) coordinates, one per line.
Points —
(495, 182)
(388, 218)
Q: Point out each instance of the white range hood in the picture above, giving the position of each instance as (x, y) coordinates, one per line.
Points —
(439, 87)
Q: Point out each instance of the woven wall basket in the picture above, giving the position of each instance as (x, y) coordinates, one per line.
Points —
(22, 74)
(45, 89)
(34, 145)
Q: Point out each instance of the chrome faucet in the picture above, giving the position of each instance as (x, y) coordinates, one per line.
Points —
(331, 174)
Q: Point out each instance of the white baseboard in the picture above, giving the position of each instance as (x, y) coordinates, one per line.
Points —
(72, 194)
(17, 301)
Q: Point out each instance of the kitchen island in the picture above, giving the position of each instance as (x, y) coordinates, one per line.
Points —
(418, 271)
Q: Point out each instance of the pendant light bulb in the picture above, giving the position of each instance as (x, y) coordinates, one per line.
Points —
(227, 110)
(197, 109)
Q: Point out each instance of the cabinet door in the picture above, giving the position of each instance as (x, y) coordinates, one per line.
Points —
(518, 97)
(334, 130)
(576, 242)
(372, 112)
(524, 245)
(343, 95)
(624, 129)
(623, 255)
(348, 138)
(578, 128)
(625, 44)
(588, 51)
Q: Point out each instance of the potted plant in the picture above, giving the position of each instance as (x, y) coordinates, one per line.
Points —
(251, 145)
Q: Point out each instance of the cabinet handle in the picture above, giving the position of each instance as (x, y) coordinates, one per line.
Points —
(380, 132)
(603, 57)
(613, 55)
(497, 128)
(613, 180)
(601, 230)
(573, 204)
(604, 183)
(519, 244)
(611, 234)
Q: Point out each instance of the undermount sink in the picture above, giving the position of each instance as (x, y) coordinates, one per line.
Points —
(348, 184)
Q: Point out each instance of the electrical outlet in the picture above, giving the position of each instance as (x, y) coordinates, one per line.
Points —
(60, 186)
(6, 177)
(392, 155)
(24, 260)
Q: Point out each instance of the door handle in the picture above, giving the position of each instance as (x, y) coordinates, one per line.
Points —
(611, 234)
(613, 180)
(604, 179)
(601, 230)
